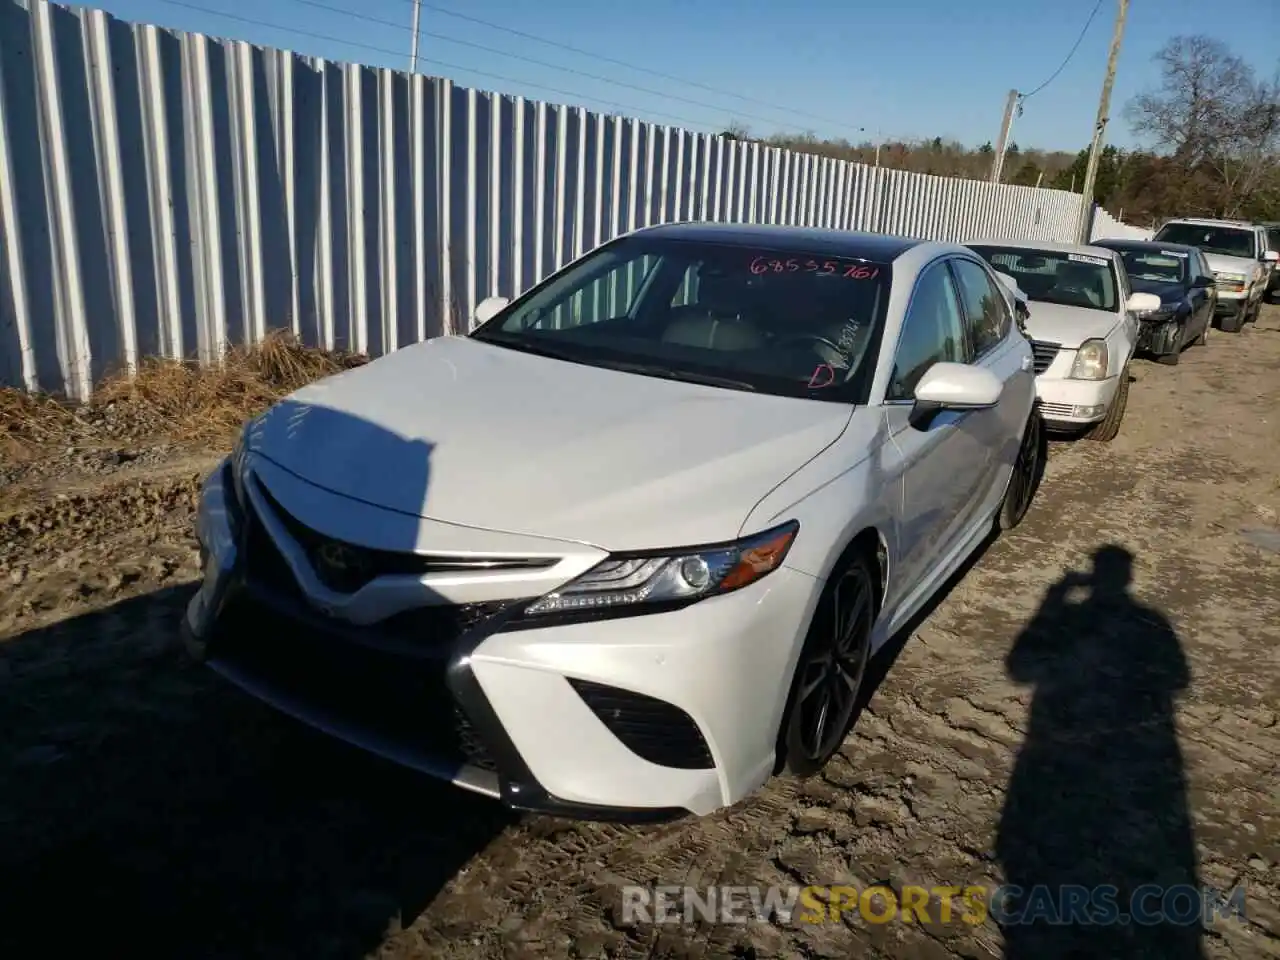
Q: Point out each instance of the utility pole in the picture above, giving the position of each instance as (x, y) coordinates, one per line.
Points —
(1002, 144)
(1100, 126)
(413, 47)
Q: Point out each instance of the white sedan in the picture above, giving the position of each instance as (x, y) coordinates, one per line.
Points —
(624, 550)
(1083, 325)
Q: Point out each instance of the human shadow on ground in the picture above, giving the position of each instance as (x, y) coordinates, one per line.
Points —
(147, 804)
(1095, 838)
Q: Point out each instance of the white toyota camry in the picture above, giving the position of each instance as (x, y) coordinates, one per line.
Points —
(625, 549)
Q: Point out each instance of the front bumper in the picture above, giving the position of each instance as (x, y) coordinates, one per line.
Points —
(1071, 404)
(630, 719)
(1230, 302)
(1160, 337)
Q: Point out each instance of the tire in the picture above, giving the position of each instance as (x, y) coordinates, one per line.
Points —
(843, 620)
(1233, 321)
(1257, 309)
(1024, 481)
(1170, 359)
(1106, 429)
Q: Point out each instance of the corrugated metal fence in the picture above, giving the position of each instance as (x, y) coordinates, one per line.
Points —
(1107, 227)
(166, 193)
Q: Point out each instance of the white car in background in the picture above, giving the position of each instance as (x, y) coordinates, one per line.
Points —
(1083, 327)
(625, 549)
(1241, 259)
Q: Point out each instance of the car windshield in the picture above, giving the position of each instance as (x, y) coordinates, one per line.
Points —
(750, 318)
(1151, 269)
(1227, 241)
(1052, 276)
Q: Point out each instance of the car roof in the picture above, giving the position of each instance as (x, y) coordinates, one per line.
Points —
(878, 247)
(1046, 246)
(1154, 245)
(1213, 222)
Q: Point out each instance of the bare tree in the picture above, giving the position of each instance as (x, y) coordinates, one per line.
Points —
(1211, 110)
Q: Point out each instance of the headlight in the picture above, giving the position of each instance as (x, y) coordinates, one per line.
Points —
(1230, 277)
(628, 584)
(1091, 361)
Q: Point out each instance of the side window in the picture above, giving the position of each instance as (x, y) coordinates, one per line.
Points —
(932, 332)
(986, 312)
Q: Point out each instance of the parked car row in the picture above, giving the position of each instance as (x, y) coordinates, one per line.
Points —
(625, 549)
(1242, 257)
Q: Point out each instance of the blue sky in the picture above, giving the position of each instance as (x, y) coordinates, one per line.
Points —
(906, 68)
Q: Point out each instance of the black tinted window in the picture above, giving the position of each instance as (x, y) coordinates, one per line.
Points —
(986, 311)
(1056, 276)
(931, 332)
(769, 320)
(1227, 241)
(1154, 266)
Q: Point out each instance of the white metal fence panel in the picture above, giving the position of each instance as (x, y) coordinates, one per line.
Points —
(168, 194)
(1107, 227)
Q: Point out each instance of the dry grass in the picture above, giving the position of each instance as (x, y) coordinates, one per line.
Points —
(174, 399)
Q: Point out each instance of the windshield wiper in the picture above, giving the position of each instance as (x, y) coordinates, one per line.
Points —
(526, 345)
(670, 373)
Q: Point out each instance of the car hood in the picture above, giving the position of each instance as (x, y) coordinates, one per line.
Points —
(1069, 326)
(470, 433)
(1219, 263)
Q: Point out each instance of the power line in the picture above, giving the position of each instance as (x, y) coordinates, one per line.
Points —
(439, 63)
(533, 60)
(1053, 76)
(624, 63)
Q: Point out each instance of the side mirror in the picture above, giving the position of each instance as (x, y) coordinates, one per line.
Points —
(487, 309)
(1270, 256)
(1142, 303)
(1203, 281)
(954, 386)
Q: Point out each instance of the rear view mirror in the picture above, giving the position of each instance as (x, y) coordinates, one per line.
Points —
(954, 386)
(1271, 256)
(1202, 281)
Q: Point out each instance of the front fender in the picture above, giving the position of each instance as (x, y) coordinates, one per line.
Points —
(854, 485)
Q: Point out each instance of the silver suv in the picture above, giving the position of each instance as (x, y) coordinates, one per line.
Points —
(1240, 256)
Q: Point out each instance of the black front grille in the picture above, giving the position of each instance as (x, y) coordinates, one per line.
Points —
(652, 729)
(346, 567)
(392, 697)
(422, 628)
(1043, 353)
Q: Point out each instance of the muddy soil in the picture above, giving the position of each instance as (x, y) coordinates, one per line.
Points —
(1048, 722)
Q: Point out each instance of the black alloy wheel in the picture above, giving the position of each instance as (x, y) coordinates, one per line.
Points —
(832, 666)
(1025, 477)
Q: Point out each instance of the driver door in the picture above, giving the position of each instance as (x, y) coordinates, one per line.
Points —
(943, 464)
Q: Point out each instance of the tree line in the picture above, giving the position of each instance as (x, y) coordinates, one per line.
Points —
(1210, 145)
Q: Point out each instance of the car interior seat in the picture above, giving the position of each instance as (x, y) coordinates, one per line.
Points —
(1079, 283)
(717, 321)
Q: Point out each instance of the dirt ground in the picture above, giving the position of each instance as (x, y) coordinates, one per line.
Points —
(1044, 724)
